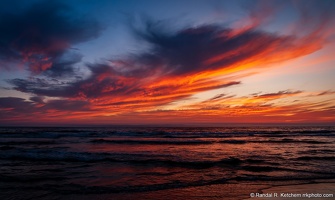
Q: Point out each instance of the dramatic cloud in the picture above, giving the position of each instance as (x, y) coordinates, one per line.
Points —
(10, 103)
(177, 66)
(173, 68)
(184, 62)
(43, 87)
(41, 36)
(207, 48)
(13, 108)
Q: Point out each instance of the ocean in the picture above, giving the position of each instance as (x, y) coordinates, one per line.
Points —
(160, 163)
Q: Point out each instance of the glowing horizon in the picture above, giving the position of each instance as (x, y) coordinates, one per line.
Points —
(221, 62)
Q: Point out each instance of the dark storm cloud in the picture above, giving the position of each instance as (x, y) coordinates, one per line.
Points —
(16, 107)
(190, 50)
(43, 87)
(102, 81)
(177, 62)
(40, 35)
(15, 103)
(172, 55)
(64, 66)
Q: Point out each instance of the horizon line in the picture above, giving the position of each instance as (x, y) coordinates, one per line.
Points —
(191, 125)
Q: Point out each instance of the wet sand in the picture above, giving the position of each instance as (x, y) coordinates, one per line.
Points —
(316, 191)
(227, 191)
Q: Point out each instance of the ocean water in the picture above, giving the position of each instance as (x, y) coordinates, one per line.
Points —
(160, 163)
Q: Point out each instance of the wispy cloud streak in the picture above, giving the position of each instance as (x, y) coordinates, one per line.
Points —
(176, 65)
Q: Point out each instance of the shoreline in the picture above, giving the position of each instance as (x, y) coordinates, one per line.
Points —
(227, 191)
(316, 189)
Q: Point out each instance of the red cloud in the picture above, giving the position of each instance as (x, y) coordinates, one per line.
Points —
(178, 65)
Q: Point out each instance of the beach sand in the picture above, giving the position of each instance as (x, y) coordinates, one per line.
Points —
(226, 191)
(316, 191)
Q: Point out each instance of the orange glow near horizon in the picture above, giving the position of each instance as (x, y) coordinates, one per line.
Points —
(203, 74)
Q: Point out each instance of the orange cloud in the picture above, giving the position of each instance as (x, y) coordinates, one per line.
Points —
(177, 66)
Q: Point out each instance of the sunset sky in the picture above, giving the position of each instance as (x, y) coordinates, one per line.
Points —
(86, 62)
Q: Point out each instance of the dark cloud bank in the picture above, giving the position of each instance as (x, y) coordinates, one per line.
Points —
(42, 37)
